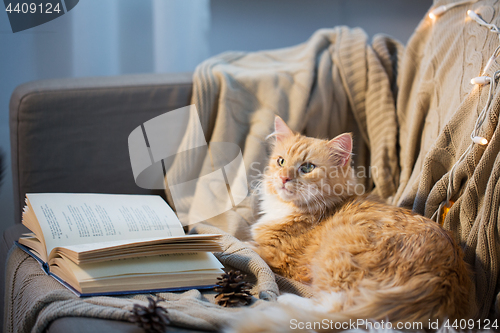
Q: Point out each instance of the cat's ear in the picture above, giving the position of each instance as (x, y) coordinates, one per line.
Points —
(341, 147)
(281, 130)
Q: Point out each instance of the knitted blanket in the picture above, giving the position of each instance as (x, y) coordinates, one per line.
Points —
(411, 111)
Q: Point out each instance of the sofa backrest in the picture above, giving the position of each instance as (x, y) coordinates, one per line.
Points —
(71, 135)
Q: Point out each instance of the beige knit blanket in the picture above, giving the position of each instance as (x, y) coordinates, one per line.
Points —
(411, 111)
(34, 299)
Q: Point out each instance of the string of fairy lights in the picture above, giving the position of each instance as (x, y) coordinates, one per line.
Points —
(482, 80)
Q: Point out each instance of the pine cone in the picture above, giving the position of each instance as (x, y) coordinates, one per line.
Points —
(232, 290)
(153, 318)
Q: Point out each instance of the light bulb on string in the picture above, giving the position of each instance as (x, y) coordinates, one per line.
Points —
(481, 80)
(433, 14)
(440, 10)
(480, 140)
(492, 59)
(473, 15)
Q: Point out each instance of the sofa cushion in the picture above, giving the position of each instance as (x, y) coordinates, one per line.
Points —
(71, 135)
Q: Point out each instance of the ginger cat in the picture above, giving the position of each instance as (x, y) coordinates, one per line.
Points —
(363, 258)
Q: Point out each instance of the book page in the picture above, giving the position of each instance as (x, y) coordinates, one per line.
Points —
(81, 248)
(165, 263)
(73, 219)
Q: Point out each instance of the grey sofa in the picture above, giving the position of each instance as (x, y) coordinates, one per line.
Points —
(70, 135)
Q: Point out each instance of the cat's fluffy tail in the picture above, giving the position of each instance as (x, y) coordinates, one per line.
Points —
(426, 301)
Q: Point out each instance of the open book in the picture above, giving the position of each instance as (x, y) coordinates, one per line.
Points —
(116, 244)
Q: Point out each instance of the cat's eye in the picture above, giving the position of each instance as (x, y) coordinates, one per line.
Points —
(281, 161)
(307, 167)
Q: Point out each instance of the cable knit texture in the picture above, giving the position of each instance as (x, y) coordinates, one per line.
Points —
(411, 111)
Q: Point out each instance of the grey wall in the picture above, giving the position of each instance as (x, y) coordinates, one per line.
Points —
(234, 25)
(267, 24)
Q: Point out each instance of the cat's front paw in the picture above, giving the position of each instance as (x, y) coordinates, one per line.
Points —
(322, 302)
(289, 299)
(296, 301)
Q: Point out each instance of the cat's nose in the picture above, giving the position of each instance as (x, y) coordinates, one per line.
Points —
(284, 179)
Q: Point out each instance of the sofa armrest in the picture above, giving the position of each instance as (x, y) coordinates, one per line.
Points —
(6, 242)
(92, 325)
(71, 135)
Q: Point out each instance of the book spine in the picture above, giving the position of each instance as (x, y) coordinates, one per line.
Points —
(43, 264)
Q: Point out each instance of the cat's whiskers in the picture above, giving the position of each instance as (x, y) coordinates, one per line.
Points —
(260, 183)
(321, 204)
(315, 205)
(257, 188)
(306, 201)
